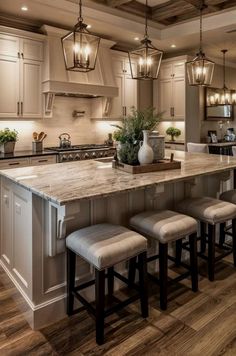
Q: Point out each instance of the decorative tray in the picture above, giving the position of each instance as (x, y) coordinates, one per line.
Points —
(162, 165)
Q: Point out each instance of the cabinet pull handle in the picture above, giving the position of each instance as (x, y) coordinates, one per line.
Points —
(22, 55)
(22, 108)
(125, 110)
(14, 164)
(18, 54)
(173, 111)
(42, 160)
(18, 108)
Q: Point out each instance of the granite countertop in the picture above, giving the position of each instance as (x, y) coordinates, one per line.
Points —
(177, 142)
(63, 183)
(222, 144)
(22, 154)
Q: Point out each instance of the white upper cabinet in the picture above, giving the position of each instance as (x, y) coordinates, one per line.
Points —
(21, 77)
(121, 105)
(171, 92)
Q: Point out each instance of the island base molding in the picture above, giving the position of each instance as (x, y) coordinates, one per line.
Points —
(33, 232)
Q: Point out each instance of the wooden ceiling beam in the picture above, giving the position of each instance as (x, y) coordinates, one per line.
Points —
(171, 9)
(136, 8)
(116, 3)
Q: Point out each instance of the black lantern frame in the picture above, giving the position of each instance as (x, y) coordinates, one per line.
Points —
(80, 47)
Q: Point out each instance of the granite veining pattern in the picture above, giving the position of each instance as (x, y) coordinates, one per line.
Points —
(62, 183)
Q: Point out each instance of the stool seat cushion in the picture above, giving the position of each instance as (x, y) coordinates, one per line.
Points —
(164, 225)
(208, 210)
(229, 196)
(104, 245)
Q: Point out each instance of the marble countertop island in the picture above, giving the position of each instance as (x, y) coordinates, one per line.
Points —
(75, 181)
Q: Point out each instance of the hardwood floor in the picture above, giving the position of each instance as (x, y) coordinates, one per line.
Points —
(202, 323)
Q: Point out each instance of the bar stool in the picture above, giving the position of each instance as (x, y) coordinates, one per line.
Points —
(166, 226)
(210, 212)
(103, 246)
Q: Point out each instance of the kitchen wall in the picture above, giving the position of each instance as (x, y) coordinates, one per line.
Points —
(163, 126)
(218, 83)
(82, 130)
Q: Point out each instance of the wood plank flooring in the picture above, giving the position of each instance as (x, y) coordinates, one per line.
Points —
(202, 323)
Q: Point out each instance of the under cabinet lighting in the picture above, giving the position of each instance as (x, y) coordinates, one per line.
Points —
(136, 38)
(89, 26)
(24, 8)
(173, 46)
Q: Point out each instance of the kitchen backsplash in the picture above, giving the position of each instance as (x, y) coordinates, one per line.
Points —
(82, 130)
(163, 126)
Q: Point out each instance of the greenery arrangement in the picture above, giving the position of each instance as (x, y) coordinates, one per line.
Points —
(7, 135)
(130, 133)
(173, 132)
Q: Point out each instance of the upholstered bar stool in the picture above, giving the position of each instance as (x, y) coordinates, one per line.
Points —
(104, 246)
(166, 226)
(210, 212)
(230, 197)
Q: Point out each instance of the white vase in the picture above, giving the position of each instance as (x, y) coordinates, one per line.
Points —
(145, 153)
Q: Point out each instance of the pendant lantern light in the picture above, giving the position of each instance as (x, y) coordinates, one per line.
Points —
(148, 57)
(200, 70)
(225, 95)
(80, 47)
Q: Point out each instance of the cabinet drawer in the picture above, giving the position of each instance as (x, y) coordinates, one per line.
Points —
(14, 163)
(40, 160)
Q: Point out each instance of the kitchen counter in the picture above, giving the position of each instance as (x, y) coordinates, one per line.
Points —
(41, 205)
(222, 144)
(178, 142)
(22, 154)
(76, 181)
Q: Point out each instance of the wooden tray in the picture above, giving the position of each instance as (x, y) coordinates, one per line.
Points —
(161, 165)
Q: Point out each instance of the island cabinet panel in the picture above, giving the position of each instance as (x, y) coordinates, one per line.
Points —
(16, 234)
(6, 225)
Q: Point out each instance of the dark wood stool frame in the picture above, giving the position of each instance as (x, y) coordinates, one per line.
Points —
(209, 238)
(163, 267)
(99, 312)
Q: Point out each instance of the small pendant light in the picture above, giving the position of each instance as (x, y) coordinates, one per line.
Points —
(225, 94)
(80, 47)
(148, 57)
(200, 70)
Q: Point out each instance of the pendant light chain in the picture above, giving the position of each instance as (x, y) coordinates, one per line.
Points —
(224, 52)
(201, 9)
(80, 11)
(146, 20)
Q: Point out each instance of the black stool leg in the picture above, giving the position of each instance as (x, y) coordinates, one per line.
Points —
(222, 234)
(143, 285)
(234, 240)
(70, 271)
(163, 269)
(211, 252)
(178, 254)
(193, 261)
(203, 237)
(100, 296)
(132, 269)
(110, 283)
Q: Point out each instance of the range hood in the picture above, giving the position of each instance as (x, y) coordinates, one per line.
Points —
(58, 81)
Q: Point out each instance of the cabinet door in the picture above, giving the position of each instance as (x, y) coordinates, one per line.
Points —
(179, 69)
(117, 103)
(14, 163)
(32, 49)
(118, 65)
(165, 98)
(9, 87)
(31, 94)
(41, 160)
(130, 94)
(9, 46)
(179, 98)
(166, 71)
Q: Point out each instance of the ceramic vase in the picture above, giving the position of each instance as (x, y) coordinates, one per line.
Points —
(145, 153)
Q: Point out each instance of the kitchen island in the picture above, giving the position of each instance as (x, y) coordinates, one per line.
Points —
(41, 205)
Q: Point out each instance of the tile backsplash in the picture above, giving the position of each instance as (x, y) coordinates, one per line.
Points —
(82, 129)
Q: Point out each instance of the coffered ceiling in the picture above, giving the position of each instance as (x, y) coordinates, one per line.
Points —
(168, 12)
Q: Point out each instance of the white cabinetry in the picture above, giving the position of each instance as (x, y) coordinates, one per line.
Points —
(172, 90)
(27, 161)
(127, 98)
(21, 77)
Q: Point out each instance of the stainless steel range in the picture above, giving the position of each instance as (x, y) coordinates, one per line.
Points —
(82, 152)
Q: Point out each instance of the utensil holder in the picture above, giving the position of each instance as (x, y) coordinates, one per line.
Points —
(37, 146)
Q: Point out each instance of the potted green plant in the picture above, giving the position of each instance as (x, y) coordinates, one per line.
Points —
(173, 132)
(8, 140)
(130, 134)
